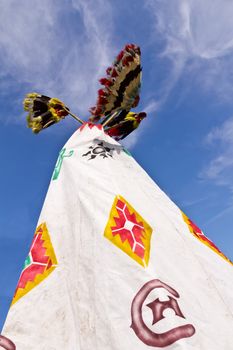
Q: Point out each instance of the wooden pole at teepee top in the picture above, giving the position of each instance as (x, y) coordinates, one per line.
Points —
(110, 118)
(74, 116)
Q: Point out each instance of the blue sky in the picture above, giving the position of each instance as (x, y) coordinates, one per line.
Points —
(61, 48)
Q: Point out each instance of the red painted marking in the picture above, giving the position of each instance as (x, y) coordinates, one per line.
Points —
(134, 237)
(38, 251)
(29, 274)
(197, 231)
(90, 126)
(49, 264)
(120, 204)
(40, 261)
(6, 343)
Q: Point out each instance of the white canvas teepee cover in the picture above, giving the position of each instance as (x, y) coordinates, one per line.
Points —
(114, 263)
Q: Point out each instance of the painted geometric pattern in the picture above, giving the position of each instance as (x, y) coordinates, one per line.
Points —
(129, 231)
(90, 126)
(196, 231)
(40, 262)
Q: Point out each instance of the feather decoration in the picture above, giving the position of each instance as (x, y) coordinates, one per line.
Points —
(43, 111)
(121, 129)
(121, 86)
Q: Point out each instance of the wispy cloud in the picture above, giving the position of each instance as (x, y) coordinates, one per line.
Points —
(197, 39)
(46, 48)
(194, 27)
(190, 203)
(197, 42)
(220, 215)
(223, 133)
(152, 106)
(220, 168)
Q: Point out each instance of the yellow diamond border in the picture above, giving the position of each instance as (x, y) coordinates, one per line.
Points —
(125, 246)
(186, 220)
(20, 292)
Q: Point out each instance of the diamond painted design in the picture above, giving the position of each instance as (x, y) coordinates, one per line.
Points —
(40, 262)
(196, 231)
(127, 229)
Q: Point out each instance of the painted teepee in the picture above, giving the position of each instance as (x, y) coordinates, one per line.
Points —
(115, 264)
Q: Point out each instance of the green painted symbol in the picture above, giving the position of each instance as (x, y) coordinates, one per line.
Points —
(127, 152)
(27, 262)
(58, 165)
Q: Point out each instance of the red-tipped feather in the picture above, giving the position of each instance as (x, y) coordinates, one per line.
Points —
(121, 85)
(126, 60)
(109, 70)
(106, 82)
(141, 116)
(92, 110)
(120, 55)
(98, 110)
(102, 92)
(101, 100)
(114, 73)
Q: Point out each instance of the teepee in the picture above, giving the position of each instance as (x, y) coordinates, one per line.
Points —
(115, 264)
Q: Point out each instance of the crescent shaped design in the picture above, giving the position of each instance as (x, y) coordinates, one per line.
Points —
(6, 343)
(143, 332)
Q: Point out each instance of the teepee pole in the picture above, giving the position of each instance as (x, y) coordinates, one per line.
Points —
(74, 116)
(110, 118)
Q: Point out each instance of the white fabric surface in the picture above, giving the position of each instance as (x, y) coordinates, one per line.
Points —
(85, 303)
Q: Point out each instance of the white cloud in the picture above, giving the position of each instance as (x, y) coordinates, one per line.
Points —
(222, 213)
(195, 27)
(199, 33)
(220, 168)
(223, 133)
(152, 106)
(211, 27)
(56, 48)
(26, 40)
(198, 41)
